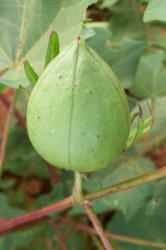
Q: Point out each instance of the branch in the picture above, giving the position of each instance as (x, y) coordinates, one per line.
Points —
(3, 220)
(6, 129)
(96, 241)
(36, 215)
(114, 236)
(69, 202)
(78, 197)
(154, 175)
(98, 227)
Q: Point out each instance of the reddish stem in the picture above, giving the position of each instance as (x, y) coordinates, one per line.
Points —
(98, 227)
(3, 220)
(114, 236)
(154, 175)
(6, 130)
(36, 215)
(68, 202)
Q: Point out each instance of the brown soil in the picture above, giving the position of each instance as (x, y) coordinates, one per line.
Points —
(159, 157)
(8, 93)
(35, 186)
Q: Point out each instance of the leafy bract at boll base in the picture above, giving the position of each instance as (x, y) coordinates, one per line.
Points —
(78, 115)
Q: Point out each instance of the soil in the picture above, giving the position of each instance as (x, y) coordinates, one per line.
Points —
(8, 93)
(35, 186)
(159, 157)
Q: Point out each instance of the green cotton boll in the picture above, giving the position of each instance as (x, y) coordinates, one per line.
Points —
(78, 114)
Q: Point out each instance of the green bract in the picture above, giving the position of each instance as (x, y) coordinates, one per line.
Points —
(78, 115)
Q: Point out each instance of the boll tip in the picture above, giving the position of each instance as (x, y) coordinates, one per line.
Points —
(140, 110)
(78, 38)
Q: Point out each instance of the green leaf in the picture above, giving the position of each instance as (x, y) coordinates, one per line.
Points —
(87, 32)
(15, 77)
(7, 211)
(126, 22)
(151, 76)
(123, 61)
(98, 41)
(25, 28)
(155, 11)
(33, 238)
(128, 201)
(149, 222)
(156, 35)
(132, 102)
(30, 73)
(8, 183)
(25, 92)
(2, 87)
(73, 242)
(53, 48)
(21, 158)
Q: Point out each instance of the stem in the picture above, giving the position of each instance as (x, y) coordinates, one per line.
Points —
(2, 220)
(114, 236)
(77, 191)
(7, 128)
(154, 175)
(36, 215)
(69, 202)
(98, 227)
(97, 241)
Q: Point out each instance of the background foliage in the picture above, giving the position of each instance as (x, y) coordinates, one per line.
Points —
(130, 35)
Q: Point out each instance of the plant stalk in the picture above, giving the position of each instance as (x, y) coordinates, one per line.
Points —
(36, 215)
(7, 128)
(77, 191)
(154, 175)
(98, 227)
(69, 201)
(116, 237)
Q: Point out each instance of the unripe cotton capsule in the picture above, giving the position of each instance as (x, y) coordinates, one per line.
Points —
(78, 115)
